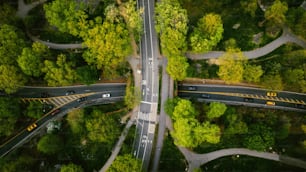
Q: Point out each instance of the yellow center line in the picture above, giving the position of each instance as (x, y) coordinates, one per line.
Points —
(257, 96)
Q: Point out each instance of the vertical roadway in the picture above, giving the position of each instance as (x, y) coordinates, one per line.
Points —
(146, 119)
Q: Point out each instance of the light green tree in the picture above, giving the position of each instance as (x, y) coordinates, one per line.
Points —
(276, 12)
(216, 109)
(252, 73)
(171, 23)
(177, 67)
(108, 45)
(71, 168)
(125, 163)
(170, 105)
(132, 95)
(101, 128)
(76, 121)
(68, 16)
(231, 66)
(184, 109)
(11, 78)
(294, 78)
(183, 132)
(207, 132)
(207, 34)
(60, 73)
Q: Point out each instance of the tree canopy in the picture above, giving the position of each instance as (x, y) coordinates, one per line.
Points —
(68, 16)
(9, 113)
(71, 168)
(184, 109)
(171, 23)
(231, 66)
(125, 163)
(177, 67)
(276, 12)
(35, 109)
(60, 73)
(31, 60)
(101, 127)
(76, 121)
(108, 45)
(11, 78)
(252, 73)
(50, 144)
(11, 44)
(207, 34)
(216, 109)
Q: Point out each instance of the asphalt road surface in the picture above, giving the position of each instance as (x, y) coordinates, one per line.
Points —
(117, 92)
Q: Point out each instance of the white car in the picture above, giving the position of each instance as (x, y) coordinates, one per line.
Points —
(107, 95)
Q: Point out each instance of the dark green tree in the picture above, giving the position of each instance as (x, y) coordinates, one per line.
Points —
(101, 127)
(35, 110)
(87, 74)
(50, 144)
(9, 113)
(76, 121)
(11, 44)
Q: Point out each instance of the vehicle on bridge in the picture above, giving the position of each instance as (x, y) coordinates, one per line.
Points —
(56, 111)
(70, 92)
(106, 95)
(270, 103)
(271, 94)
(32, 126)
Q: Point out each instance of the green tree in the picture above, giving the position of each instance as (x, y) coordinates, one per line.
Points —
(207, 34)
(50, 144)
(101, 128)
(177, 67)
(252, 73)
(29, 63)
(35, 109)
(171, 23)
(294, 79)
(235, 125)
(231, 66)
(7, 14)
(249, 6)
(207, 132)
(108, 45)
(68, 16)
(125, 163)
(9, 113)
(216, 109)
(11, 78)
(20, 163)
(11, 44)
(87, 74)
(132, 95)
(273, 82)
(184, 109)
(76, 121)
(170, 105)
(59, 73)
(71, 168)
(276, 12)
(183, 132)
(260, 137)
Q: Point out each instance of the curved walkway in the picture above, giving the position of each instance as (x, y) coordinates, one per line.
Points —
(23, 9)
(55, 45)
(196, 160)
(286, 37)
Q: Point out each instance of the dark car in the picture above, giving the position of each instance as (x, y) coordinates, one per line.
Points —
(248, 99)
(44, 95)
(205, 96)
(69, 92)
(192, 88)
(55, 111)
(301, 106)
(82, 99)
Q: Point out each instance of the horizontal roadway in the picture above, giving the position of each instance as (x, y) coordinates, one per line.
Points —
(95, 92)
(236, 94)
